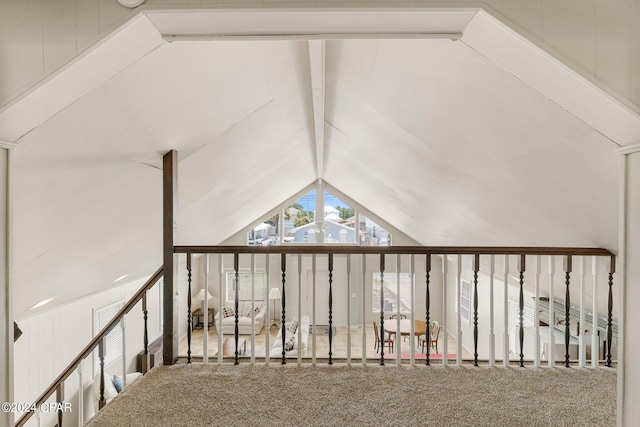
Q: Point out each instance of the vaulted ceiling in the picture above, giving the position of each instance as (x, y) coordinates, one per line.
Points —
(446, 124)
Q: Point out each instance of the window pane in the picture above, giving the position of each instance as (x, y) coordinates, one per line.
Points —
(371, 234)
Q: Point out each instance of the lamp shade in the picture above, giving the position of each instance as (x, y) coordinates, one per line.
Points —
(200, 296)
(274, 293)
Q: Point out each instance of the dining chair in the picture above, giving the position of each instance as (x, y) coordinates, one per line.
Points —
(434, 333)
(388, 339)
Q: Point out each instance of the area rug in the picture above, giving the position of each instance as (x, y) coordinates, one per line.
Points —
(419, 356)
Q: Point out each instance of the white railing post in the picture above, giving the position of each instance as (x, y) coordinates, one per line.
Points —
(205, 312)
(220, 294)
(492, 333)
(413, 309)
(80, 394)
(505, 358)
(267, 337)
(124, 351)
(313, 310)
(536, 314)
(582, 357)
(445, 333)
(398, 346)
(364, 310)
(253, 309)
(595, 341)
(551, 356)
(299, 330)
(348, 309)
(458, 296)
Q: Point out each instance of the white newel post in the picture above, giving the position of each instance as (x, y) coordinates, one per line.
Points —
(6, 285)
(628, 273)
(364, 310)
(80, 409)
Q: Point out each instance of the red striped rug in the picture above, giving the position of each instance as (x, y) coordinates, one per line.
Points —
(419, 356)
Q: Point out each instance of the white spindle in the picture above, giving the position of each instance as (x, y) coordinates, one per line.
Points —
(364, 310)
(595, 341)
(552, 306)
(492, 332)
(124, 351)
(536, 315)
(253, 309)
(505, 302)
(398, 347)
(220, 296)
(299, 330)
(313, 310)
(458, 289)
(582, 356)
(445, 333)
(205, 312)
(267, 337)
(349, 309)
(413, 310)
(80, 409)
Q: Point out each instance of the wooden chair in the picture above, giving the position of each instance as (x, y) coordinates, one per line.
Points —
(434, 334)
(380, 342)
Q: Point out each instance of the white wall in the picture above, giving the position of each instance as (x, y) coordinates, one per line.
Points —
(52, 339)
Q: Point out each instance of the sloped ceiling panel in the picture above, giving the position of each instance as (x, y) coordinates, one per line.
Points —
(453, 150)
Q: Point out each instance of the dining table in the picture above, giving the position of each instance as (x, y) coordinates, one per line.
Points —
(391, 327)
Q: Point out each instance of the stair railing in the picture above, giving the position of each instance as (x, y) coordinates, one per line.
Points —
(98, 341)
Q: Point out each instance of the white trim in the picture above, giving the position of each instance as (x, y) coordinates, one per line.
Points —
(8, 145)
(628, 149)
(622, 245)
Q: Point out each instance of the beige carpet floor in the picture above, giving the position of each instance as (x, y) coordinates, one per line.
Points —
(338, 395)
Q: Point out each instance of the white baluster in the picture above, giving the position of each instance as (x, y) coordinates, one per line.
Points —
(536, 314)
(492, 332)
(505, 302)
(445, 333)
(267, 347)
(253, 309)
(205, 312)
(364, 310)
(398, 348)
(595, 341)
(299, 330)
(582, 345)
(124, 351)
(313, 310)
(220, 294)
(413, 310)
(349, 310)
(80, 409)
(458, 288)
(552, 307)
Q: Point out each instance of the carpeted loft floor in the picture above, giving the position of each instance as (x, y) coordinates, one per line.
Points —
(338, 395)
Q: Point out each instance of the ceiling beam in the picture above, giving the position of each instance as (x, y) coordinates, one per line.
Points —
(317, 70)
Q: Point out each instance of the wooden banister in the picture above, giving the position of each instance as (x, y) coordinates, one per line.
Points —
(408, 250)
(92, 345)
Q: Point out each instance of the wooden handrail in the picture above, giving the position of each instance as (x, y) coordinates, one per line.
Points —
(433, 250)
(92, 345)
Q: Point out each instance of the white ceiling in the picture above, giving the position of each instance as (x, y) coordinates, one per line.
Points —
(451, 142)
